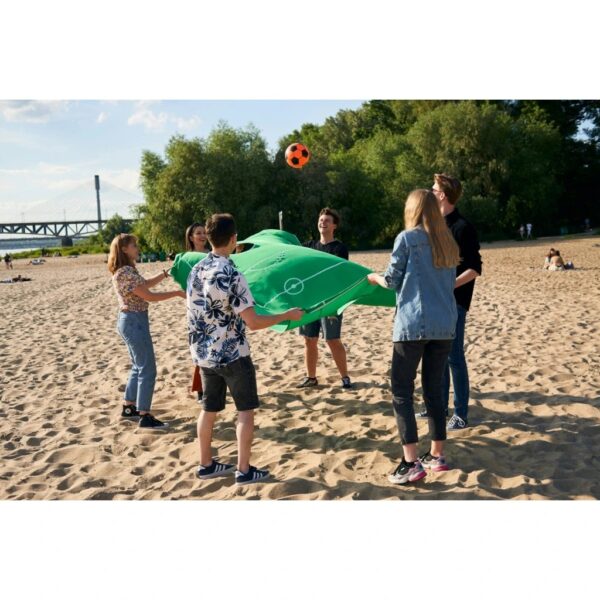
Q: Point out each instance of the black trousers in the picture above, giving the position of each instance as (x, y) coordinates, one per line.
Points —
(405, 360)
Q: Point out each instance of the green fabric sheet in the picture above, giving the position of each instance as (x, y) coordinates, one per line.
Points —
(282, 274)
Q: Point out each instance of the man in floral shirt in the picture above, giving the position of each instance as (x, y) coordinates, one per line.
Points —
(219, 306)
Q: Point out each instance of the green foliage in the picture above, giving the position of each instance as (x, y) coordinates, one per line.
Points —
(519, 161)
(113, 227)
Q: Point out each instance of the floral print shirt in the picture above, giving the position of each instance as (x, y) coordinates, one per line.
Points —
(216, 295)
(125, 280)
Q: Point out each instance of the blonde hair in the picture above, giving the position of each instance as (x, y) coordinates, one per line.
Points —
(422, 210)
(117, 257)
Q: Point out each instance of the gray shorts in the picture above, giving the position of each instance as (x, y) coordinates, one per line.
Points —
(331, 327)
(239, 376)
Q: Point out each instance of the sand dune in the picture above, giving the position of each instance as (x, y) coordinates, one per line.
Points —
(533, 350)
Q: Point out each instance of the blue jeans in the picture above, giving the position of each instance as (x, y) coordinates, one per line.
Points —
(458, 365)
(134, 328)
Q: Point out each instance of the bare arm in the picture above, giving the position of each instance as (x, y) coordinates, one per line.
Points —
(256, 322)
(150, 283)
(465, 277)
(144, 293)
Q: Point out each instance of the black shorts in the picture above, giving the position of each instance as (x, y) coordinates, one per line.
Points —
(330, 326)
(239, 376)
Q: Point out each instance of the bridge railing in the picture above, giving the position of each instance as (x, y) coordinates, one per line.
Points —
(57, 229)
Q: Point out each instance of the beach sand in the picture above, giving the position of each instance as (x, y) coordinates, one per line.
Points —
(534, 360)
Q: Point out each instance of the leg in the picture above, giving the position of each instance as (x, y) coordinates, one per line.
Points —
(311, 355)
(206, 422)
(143, 350)
(241, 381)
(435, 358)
(213, 401)
(458, 366)
(130, 396)
(405, 360)
(245, 434)
(339, 356)
(310, 333)
(332, 332)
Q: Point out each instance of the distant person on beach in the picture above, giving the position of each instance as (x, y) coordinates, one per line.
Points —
(133, 293)
(195, 238)
(329, 327)
(16, 279)
(422, 271)
(529, 229)
(8, 261)
(522, 231)
(555, 262)
(448, 191)
(219, 306)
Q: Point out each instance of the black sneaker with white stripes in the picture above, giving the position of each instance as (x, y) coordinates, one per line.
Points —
(216, 469)
(253, 475)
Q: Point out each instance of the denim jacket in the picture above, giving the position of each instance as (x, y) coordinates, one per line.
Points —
(425, 304)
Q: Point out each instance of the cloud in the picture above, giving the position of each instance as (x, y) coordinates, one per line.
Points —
(32, 111)
(158, 121)
(101, 117)
(143, 115)
(48, 169)
(190, 123)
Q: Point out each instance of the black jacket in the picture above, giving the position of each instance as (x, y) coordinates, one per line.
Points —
(468, 243)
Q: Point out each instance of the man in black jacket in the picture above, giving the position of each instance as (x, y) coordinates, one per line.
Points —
(448, 191)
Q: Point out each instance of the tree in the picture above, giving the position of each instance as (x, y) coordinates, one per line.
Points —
(113, 227)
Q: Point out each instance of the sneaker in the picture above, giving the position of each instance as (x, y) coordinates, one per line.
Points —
(456, 423)
(308, 382)
(130, 412)
(253, 475)
(151, 423)
(434, 463)
(216, 469)
(407, 472)
(346, 383)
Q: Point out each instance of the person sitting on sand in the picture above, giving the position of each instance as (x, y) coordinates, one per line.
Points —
(555, 262)
(133, 293)
(422, 271)
(219, 306)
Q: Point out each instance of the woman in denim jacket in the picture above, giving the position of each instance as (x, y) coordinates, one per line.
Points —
(422, 271)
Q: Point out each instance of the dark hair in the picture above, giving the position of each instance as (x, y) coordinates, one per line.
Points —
(334, 214)
(451, 186)
(219, 229)
(189, 246)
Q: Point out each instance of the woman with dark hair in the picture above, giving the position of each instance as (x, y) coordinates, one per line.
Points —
(133, 293)
(195, 238)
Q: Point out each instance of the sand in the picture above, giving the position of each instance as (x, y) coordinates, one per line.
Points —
(534, 358)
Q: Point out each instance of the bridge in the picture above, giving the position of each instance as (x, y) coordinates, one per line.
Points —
(58, 229)
(41, 232)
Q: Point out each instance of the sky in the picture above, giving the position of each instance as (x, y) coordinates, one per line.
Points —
(51, 150)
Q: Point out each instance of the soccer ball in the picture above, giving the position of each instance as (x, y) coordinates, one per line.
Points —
(297, 155)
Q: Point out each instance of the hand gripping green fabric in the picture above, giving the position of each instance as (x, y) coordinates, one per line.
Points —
(282, 274)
